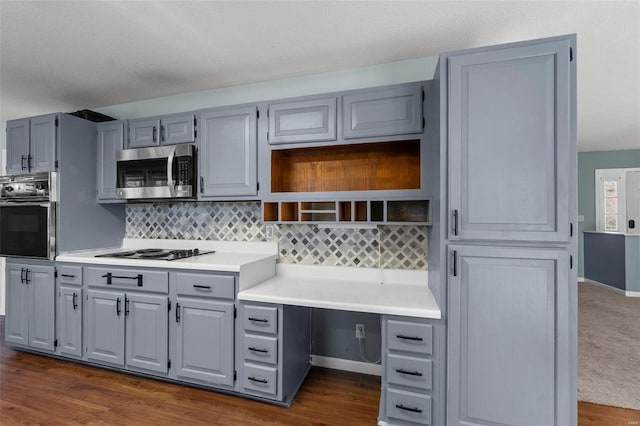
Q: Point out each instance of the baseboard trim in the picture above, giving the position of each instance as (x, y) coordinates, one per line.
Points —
(626, 293)
(346, 365)
(580, 279)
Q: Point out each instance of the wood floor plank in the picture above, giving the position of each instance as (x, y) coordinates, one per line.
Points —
(36, 389)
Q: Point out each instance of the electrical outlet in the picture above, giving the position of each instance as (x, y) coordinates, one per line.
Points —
(269, 232)
(359, 331)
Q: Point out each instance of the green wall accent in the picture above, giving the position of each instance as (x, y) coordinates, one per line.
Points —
(588, 162)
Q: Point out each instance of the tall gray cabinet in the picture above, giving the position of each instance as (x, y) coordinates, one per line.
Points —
(509, 210)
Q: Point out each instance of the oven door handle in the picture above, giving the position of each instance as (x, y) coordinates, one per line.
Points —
(170, 182)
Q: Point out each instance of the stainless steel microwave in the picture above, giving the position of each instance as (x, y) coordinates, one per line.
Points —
(157, 172)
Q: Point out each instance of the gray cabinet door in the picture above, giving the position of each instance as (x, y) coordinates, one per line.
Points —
(507, 336)
(177, 129)
(228, 152)
(17, 146)
(143, 133)
(204, 341)
(509, 143)
(42, 325)
(105, 331)
(382, 112)
(312, 120)
(110, 141)
(16, 324)
(69, 318)
(43, 143)
(147, 330)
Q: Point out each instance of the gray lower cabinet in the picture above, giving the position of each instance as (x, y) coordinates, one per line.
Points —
(142, 318)
(411, 375)
(273, 351)
(227, 152)
(510, 143)
(105, 327)
(386, 111)
(204, 341)
(69, 320)
(30, 316)
(311, 120)
(69, 312)
(508, 357)
(111, 137)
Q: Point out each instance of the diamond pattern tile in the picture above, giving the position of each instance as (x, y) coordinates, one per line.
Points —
(396, 247)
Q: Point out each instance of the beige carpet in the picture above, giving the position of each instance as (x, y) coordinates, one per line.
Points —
(609, 347)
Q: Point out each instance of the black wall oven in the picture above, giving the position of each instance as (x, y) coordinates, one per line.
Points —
(28, 216)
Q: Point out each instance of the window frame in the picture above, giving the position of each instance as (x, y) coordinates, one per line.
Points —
(620, 175)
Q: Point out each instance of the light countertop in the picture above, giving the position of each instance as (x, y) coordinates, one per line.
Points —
(381, 291)
(254, 261)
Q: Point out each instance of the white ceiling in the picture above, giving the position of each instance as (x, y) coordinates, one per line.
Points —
(70, 55)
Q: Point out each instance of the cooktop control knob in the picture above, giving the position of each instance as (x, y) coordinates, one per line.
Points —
(196, 252)
(8, 188)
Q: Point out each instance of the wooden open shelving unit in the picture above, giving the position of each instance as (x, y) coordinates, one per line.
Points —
(400, 212)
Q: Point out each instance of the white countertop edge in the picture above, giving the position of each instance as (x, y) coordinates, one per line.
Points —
(357, 274)
(344, 306)
(622, 234)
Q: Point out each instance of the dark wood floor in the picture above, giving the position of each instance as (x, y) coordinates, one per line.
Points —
(36, 389)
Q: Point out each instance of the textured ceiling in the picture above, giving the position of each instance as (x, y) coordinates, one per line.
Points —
(69, 55)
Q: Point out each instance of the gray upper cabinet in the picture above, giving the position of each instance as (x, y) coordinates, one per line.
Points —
(382, 112)
(105, 331)
(205, 339)
(43, 143)
(110, 141)
(311, 120)
(227, 155)
(165, 130)
(17, 146)
(147, 321)
(509, 143)
(30, 306)
(143, 133)
(31, 144)
(508, 361)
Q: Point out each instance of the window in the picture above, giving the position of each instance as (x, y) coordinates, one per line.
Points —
(611, 199)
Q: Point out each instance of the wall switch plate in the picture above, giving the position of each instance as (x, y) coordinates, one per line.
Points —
(580, 218)
(269, 232)
(359, 331)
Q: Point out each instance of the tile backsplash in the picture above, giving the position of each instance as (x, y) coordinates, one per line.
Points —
(397, 247)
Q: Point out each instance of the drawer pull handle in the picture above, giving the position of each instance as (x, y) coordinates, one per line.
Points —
(109, 276)
(253, 379)
(412, 409)
(258, 319)
(206, 287)
(414, 338)
(411, 373)
(264, 351)
(68, 276)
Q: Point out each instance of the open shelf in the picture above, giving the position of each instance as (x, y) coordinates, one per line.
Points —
(354, 167)
(400, 212)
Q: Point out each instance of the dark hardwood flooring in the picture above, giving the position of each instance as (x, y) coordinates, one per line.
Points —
(36, 389)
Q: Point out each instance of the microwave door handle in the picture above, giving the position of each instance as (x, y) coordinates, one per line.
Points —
(170, 182)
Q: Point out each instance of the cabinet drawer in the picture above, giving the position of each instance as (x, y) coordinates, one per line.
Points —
(261, 349)
(205, 285)
(70, 275)
(409, 337)
(260, 379)
(409, 371)
(262, 319)
(129, 279)
(408, 406)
